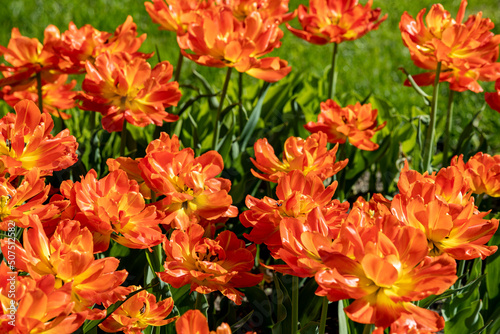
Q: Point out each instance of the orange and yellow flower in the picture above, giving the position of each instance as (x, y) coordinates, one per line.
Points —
(298, 196)
(336, 21)
(311, 156)
(193, 193)
(176, 15)
(467, 51)
(483, 172)
(125, 88)
(493, 99)
(56, 96)
(220, 40)
(26, 142)
(386, 273)
(138, 312)
(441, 207)
(208, 265)
(194, 322)
(39, 306)
(68, 257)
(358, 123)
(113, 208)
(276, 10)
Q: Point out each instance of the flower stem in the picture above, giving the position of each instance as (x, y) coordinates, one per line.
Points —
(240, 101)
(219, 110)
(431, 129)
(39, 90)
(447, 130)
(123, 142)
(295, 304)
(324, 312)
(178, 67)
(333, 74)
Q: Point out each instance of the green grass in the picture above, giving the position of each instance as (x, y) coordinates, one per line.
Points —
(368, 65)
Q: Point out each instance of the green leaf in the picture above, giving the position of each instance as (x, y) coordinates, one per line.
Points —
(343, 328)
(283, 308)
(310, 305)
(467, 320)
(249, 128)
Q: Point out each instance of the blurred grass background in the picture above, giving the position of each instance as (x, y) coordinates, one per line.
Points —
(368, 65)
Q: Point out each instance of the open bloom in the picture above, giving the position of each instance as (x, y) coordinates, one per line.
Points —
(26, 142)
(56, 96)
(441, 207)
(358, 123)
(193, 193)
(125, 88)
(310, 155)
(336, 21)
(298, 195)
(68, 257)
(387, 270)
(268, 9)
(138, 312)
(220, 40)
(176, 15)
(208, 265)
(467, 51)
(113, 208)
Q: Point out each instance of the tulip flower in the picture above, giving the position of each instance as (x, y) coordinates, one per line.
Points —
(358, 123)
(57, 96)
(311, 156)
(125, 88)
(194, 322)
(336, 21)
(138, 312)
(466, 50)
(388, 270)
(208, 265)
(113, 208)
(493, 99)
(26, 142)
(268, 9)
(483, 172)
(220, 40)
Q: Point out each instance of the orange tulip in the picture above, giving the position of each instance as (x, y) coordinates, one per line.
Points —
(138, 312)
(194, 322)
(311, 156)
(40, 306)
(28, 199)
(220, 40)
(441, 206)
(113, 208)
(298, 196)
(208, 265)
(467, 51)
(268, 9)
(176, 15)
(193, 193)
(26, 142)
(28, 56)
(68, 257)
(388, 270)
(483, 172)
(336, 21)
(125, 88)
(358, 123)
(56, 96)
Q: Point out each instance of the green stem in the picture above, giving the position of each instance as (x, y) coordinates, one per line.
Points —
(460, 272)
(295, 304)
(178, 67)
(219, 110)
(341, 155)
(447, 130)
(241, 119)
(39, 90)
(123, 142)
(333, 73)
(479, 199)
(431, 129)
(367, 329)
(324, 312)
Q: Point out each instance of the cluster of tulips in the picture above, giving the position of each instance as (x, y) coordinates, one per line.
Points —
(383, 254)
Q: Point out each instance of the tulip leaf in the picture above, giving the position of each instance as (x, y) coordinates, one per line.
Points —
(468, 318)
(237, 325)
(283, 308)
(310, 308)
(259, 302)
(249, 128)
